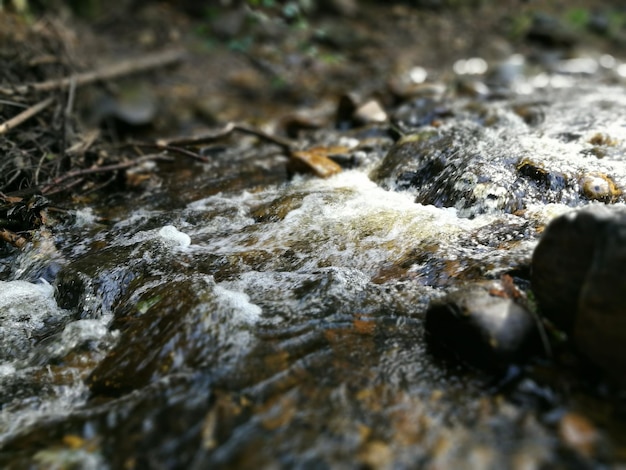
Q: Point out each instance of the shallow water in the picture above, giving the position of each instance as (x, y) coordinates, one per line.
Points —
(226, 321)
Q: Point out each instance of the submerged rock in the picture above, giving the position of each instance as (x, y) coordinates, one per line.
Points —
(483, 324)
(579, 284)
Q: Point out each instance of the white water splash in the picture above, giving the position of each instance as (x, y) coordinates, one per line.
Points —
(238, 303)
(344, 221)
(172, 236)
(25, 310)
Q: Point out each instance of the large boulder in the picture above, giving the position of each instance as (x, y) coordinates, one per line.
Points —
(579, 282)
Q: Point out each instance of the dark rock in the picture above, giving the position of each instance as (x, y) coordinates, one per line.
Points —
(562, 260)
(599, 23)
(483, 324)
(151, 343)
(579, 284)
(452, 169)
(532, 114)
(341, 7)
(93, 284)
(346, 107)
(549, 32)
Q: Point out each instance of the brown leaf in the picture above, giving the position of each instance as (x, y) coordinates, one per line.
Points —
(316, 160)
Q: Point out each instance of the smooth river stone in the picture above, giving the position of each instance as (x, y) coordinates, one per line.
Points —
(481, 325)
(579, 282)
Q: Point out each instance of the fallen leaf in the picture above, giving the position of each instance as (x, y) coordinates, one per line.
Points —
(317, 160)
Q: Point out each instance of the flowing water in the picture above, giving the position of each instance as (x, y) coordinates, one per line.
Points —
(237, 317)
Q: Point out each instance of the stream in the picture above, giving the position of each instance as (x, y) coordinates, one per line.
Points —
(240, 316)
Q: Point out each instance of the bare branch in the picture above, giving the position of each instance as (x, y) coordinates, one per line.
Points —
(122, 68)
(25, 115)
(12, 238)
(168, 148)
(53, 186)
(226, 131)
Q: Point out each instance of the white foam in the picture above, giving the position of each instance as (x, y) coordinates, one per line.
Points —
(238, 303)
(172, 236)
(7, 369)
(344, 221)
(25, 309)
(84, 217)
(78, 333)
(12, 292)
(349, 221)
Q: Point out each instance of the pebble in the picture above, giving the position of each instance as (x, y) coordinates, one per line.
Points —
(599, 187)
(579, 434)
(370, 112)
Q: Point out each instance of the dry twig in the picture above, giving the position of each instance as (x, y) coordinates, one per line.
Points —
(314, 160)
(25, 115)
(168, 148)
(12, 238)
(226, 131)
(55, 186)
(122, 68)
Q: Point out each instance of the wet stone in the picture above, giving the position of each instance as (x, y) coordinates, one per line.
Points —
(579, 284)
(550, 32)
(490, 161)
(93, 284)
(422, 111)
(531, 113)
(483, 325)
(149, 342)
(352, 111)
(599, 187)
(579, 434)
(451, 168)
(537, 173)
(277, 209)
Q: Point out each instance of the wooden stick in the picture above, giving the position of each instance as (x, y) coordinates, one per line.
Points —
(285, 144)
(168, 148)
(205, 138)
(25, 115)
(12, 238)
(226, 131)
(46, 190)
(125, 67)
